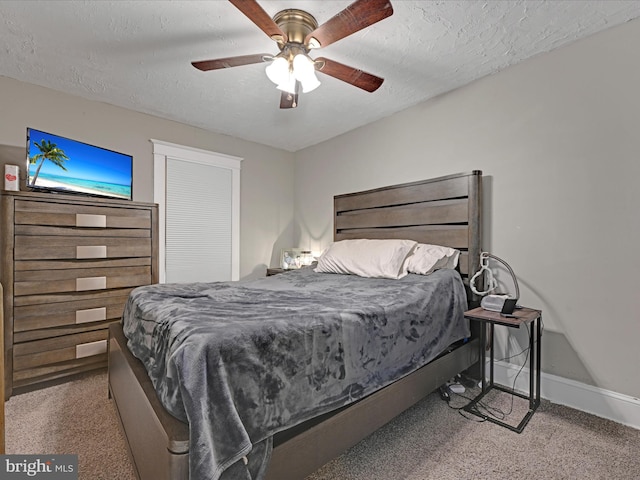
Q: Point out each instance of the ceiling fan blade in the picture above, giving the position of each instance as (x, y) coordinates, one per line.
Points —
(354, 76)
(229, 62)
(290, 100)
(257, 15)
(358, 15)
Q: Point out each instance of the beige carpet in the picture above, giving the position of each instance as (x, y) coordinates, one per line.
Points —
(429, 441)
(73, 418)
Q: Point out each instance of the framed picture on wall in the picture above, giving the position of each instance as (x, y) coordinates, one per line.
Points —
(292, 258)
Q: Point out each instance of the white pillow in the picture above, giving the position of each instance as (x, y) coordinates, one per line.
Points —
(426, 259)
(366, 258)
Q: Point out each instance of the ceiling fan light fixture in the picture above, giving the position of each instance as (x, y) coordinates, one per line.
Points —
(305, 72)
(310, 84)
(288, 86)
(278, 71)
(287, 68)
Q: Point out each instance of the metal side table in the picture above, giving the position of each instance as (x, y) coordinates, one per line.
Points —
(519, 317)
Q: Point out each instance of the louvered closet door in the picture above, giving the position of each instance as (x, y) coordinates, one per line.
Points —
(198, 222)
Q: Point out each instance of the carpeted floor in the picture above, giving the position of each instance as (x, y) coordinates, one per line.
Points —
(70, 418)
(429, 441)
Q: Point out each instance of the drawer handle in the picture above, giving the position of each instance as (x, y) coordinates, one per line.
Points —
(91, 348)
(91, 251)
(91, 283)
(88, 220)
(91, 315)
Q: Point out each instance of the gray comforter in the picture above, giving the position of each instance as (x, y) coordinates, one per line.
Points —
(241, 361)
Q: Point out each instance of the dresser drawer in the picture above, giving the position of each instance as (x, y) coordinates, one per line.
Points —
(31, 335)
(56, 298)
(24, 265)
(79, 280)
(30, 377)
(59, 349)
(92, 311)
(44, 248)
(79, 216)
(48, 230)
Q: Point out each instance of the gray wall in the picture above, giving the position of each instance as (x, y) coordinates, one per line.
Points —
(558, 139)
(267, 174)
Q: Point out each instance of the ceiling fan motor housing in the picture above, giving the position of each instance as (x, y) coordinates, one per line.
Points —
(296, 24)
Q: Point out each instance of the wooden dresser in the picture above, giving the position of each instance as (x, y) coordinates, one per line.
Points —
(68, 264)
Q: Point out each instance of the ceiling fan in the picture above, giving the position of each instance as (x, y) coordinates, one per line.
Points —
(297, 33)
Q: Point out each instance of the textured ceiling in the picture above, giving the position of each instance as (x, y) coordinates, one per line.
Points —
(137, 54)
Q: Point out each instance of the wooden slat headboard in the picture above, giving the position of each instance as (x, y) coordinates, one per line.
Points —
(442, 211)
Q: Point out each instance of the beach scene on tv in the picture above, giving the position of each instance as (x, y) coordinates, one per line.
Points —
(61, 164)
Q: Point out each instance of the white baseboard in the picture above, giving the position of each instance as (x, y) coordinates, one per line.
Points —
(587, 398)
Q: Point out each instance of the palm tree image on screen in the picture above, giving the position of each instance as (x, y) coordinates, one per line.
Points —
(48, 151)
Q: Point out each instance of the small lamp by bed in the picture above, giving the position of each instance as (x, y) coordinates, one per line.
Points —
(293, 258)
(497, 302)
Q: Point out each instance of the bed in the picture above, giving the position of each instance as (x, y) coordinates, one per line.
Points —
(443, 211)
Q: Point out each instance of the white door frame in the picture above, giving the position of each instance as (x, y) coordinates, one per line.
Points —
(163, 150)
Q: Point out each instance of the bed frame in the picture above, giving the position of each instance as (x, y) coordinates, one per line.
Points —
(444, 211)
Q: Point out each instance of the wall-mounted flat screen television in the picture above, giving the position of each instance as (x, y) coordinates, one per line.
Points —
(59, 164)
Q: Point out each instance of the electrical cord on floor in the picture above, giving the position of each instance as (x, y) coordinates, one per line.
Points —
(446, 393)
(484, 408)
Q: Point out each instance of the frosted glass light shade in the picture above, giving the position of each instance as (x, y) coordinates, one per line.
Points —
(305, 73)
(289, 85)
(278, 71)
